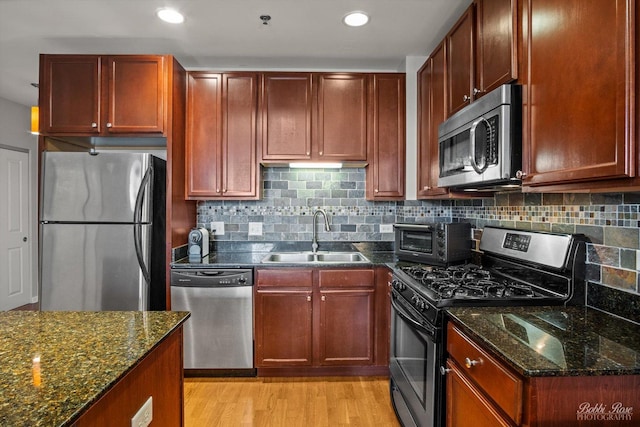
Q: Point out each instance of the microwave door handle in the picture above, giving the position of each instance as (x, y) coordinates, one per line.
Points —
(472, 137)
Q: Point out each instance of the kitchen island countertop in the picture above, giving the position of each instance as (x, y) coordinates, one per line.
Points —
(55, 365)
(554, 341)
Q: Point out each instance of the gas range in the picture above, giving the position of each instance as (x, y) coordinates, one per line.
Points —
(518, 268)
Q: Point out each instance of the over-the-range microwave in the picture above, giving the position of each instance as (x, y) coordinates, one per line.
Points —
(480, 146)
(434, 243)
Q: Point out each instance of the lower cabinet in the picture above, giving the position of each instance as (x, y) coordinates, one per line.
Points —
(484, 392)
(318, 321)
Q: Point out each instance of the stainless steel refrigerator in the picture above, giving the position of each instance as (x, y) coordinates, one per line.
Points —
(102, 231)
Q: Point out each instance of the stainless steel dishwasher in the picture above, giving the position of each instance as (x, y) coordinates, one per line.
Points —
(218, 337)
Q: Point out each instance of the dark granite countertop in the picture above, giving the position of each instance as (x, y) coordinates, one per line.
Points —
(228, 254)
(81, 356)
(554, 341)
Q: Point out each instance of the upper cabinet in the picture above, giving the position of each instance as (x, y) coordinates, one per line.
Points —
(579, 95)
(221, 136)
(91, 95)
(317, 117)
(341, 125)
(386, 171)
(431, 112)
(481, 51)
(286, 104)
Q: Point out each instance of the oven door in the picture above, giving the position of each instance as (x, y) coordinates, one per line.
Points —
(416, 386)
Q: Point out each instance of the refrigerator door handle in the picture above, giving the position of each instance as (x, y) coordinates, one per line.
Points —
(137, 227)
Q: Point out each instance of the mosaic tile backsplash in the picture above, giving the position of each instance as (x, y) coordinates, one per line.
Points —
(611, 222)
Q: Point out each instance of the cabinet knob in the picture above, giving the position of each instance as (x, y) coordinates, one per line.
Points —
(320, 152)
(477, 91)
(521, 175)
(444, 371)
(94, 125)
(308, 153)
(426, 187)
(469, 363)
(323, 298)
(309, 298)
(217, 190)
(466, 98)
(109, 125)
(224, 190)
(376, 191)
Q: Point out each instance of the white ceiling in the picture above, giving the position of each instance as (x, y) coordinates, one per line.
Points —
(220, 34)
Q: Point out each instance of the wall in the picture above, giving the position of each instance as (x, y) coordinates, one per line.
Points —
(611, 222)
(14, 134)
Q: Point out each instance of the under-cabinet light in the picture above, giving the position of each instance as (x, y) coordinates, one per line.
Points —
(308, 165)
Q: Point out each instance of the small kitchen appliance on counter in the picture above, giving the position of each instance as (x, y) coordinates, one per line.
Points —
(198, 246)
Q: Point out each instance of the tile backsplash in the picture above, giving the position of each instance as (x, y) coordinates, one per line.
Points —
(611, 222)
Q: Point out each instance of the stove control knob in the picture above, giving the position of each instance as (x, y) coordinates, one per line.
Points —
(441, 254)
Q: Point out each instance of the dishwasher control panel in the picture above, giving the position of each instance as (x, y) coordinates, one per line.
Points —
(212, 277)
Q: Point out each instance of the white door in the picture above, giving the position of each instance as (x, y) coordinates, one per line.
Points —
(15, 240)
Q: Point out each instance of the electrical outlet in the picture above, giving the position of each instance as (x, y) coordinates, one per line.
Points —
(386, 228)
(255, 229)
(144, 416)
(218, 228)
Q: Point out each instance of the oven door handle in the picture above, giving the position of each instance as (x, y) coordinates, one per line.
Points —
(431, 331)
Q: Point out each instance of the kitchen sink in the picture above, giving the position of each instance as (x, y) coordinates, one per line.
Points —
(320, 257)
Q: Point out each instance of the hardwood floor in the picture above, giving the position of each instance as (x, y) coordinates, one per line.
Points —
(288, 402)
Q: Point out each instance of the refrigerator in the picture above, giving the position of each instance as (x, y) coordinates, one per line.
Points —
(102, 231)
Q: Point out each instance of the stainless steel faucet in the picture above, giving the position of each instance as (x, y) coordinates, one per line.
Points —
(327, 227)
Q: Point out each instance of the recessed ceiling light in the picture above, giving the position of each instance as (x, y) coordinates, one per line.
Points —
(171, 16)
(355, 19)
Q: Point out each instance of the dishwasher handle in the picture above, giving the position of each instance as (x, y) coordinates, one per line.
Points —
(212, 278)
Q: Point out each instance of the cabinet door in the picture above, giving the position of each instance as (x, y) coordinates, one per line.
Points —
(431, 112)
(286, 116)
(240, 174)
(345, 322)
(341, 111)
(346, 327)
(70, 98)
(204, 135)
(386, 175)
(579, 111)
(496, 44)
(465, 402)
(460, 63)
(283, 327)
(135, 94)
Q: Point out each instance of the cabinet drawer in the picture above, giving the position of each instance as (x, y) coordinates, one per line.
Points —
(285, 277)
(362, 278)
(501, 385)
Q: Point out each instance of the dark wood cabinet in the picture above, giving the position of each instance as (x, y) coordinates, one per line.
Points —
(482, 51)
(221, 138)
(431, 112)
(346, 317)
(496, 52)
(579, 125)
(386, 173)
(341, 116)
(283, 317)
(483, 387)
(314, 116)
(90, 95)
(460, 62)
(286, 104)
(318, 322)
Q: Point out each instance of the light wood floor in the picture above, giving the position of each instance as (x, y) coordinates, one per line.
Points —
(288, 402)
